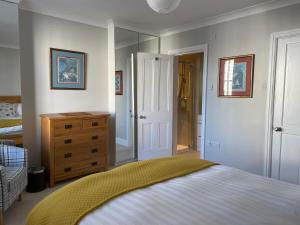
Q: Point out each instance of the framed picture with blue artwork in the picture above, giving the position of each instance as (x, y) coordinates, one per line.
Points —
(68, 69)
(236, 76)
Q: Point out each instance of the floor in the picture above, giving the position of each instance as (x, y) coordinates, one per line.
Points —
(182, 148)
(17, 213)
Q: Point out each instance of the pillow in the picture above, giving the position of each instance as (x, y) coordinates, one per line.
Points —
(7, 110)
(18, 110)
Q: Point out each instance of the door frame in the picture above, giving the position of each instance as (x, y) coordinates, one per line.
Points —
(190, 50)
(271, 95)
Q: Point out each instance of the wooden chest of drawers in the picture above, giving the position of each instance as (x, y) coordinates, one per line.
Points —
(74, 144)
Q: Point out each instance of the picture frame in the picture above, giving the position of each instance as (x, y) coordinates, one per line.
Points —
(236, 76)
(67, 69)
(119, 82)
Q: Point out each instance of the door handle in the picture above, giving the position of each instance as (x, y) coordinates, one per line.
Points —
(143, 117)
(278, 129)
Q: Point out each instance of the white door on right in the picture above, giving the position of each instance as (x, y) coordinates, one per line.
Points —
(286, 122)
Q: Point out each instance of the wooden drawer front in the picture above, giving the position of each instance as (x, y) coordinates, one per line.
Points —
(79, 168)
(64, 156)
(94, 123)
(67, 127)
(77, 139)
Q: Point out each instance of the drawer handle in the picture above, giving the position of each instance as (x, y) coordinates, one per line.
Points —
(95, 124)
(68, 126)
(68, 155)
(94, 137)
(94, 163)
(69, 169)
(94, 150)
(68, 141)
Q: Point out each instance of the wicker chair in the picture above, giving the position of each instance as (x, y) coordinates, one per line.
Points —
(13, 174)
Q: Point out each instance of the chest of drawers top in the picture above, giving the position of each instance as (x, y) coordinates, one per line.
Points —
(75, 115)
(71, 123)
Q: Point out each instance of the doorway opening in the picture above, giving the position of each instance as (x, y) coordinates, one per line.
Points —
(189, 102)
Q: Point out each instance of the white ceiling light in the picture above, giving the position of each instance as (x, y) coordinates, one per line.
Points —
(163, 6)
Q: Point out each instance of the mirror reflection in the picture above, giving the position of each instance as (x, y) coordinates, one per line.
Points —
(128, 43)
(10, 77)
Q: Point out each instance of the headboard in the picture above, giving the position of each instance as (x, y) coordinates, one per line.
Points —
(10, 99)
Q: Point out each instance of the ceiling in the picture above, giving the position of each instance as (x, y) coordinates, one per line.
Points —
(136, 13)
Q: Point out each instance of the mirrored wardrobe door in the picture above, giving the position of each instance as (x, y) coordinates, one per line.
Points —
(10, 77)
(126, 43)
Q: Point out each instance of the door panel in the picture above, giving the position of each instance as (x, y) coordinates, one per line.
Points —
(286, 139)
(164, 87)
(292, 90)
(155, 104)
(163, 138)
(147, 85)
(147, 134)
(290, 159)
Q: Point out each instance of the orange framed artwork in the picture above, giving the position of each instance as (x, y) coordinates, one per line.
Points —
(236, 76)
(119, 82)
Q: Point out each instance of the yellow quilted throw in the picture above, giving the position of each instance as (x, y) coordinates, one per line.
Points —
(71, 203)
(10, 123)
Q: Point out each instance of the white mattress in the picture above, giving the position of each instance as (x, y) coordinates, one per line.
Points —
(11, 130)
(218, 195)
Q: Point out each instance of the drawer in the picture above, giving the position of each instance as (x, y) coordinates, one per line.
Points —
(67, 127)
(94, 123)
(78, 139)
(68, 155)
(65, 171)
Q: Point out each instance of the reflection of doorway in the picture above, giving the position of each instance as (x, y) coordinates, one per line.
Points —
(189, 102)
(124, 126)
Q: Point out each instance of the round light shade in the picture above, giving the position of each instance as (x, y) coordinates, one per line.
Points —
(163, 6)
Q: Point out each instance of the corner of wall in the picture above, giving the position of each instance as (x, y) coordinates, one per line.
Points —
(111, 93)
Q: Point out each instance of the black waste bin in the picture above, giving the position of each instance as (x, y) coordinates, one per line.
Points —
(36, 179)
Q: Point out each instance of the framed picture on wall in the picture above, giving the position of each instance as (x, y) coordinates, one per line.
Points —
(119, 82)
(236, 76)
(68, 69)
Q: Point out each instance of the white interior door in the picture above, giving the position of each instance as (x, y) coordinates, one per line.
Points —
(286, 131)
(154, 105)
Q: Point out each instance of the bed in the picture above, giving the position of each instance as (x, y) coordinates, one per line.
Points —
(213, 195)
(11, 121)
(218, 195)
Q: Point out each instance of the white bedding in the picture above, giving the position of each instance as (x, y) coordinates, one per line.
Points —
(218, 195)
(11, 130)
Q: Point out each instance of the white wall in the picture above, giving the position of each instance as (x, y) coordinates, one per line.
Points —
(10, 77)
(37, 34)
(238, 124)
